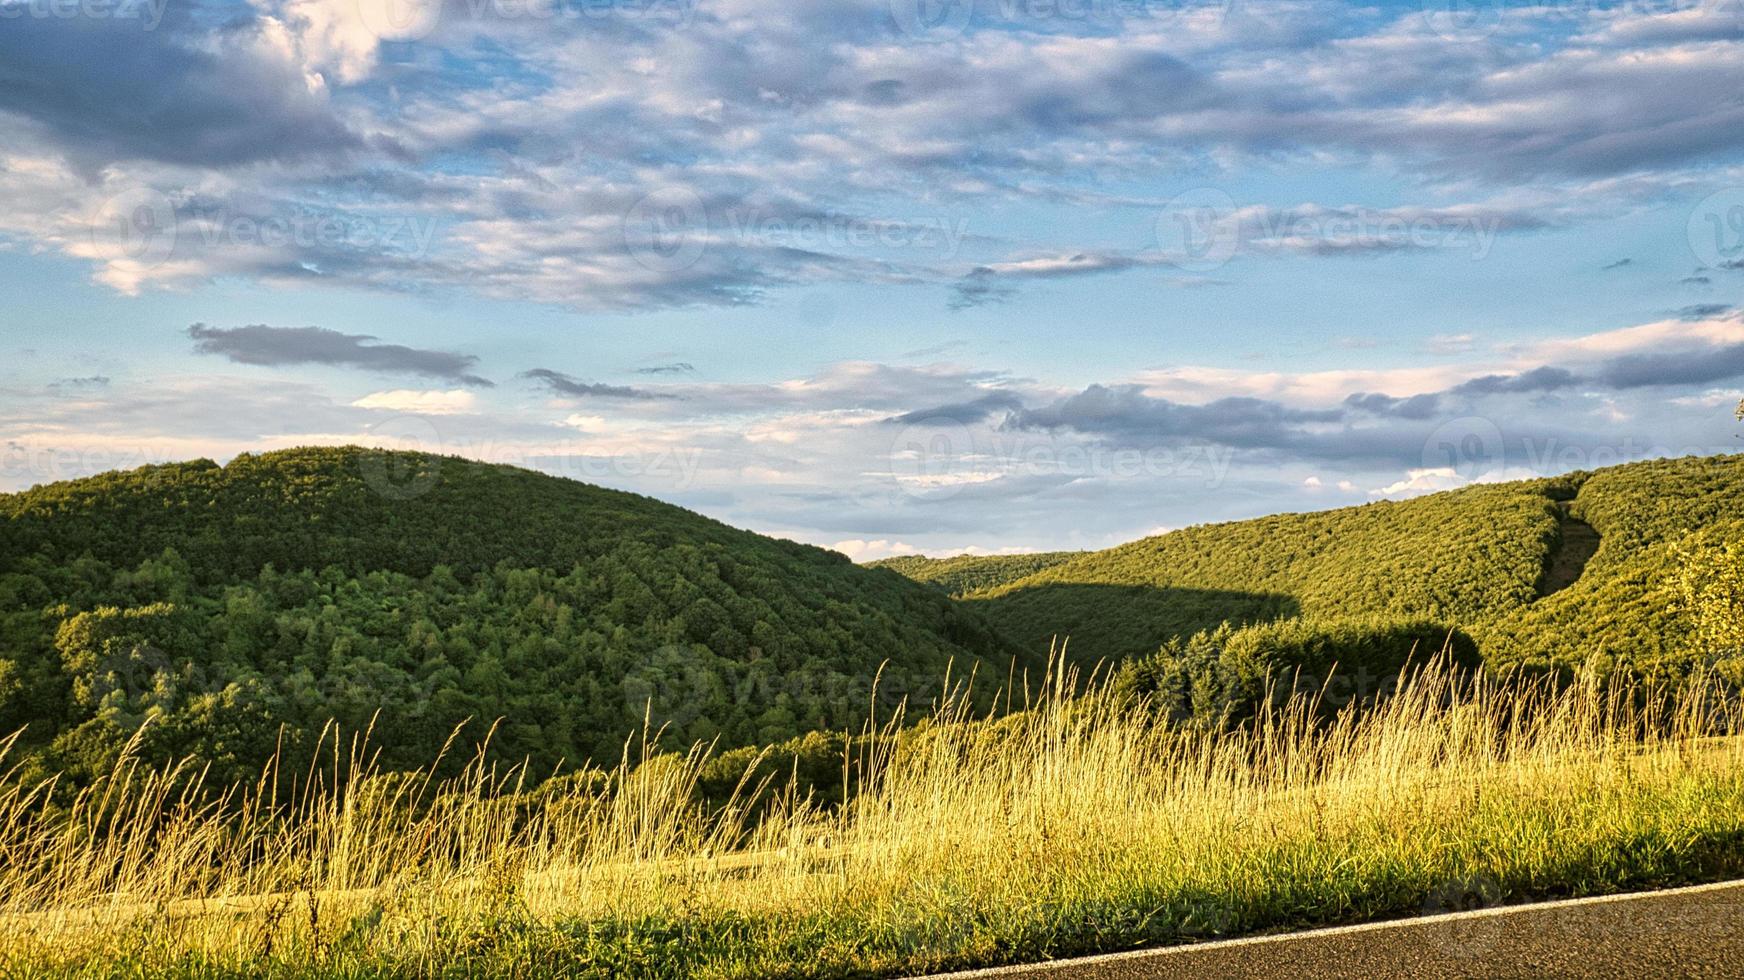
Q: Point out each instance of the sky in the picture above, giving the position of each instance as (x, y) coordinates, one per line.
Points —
(888, 276)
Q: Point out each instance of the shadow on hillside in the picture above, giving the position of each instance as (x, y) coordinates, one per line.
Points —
(1576, 544)
(1113, 622)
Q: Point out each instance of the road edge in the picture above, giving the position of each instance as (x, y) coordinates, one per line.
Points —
(1382, 925)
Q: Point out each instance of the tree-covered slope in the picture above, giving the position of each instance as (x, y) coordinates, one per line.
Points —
(1452, 557)
(963, 574)
(1475, 558)
(1653, 519)
(289, 588)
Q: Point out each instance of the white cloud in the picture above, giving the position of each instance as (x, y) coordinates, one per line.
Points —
(1712, 398)
(1456, 343)
(1199, 384)
(861, 550)
(978, 551)
(1653, 337)
(1203, 384)
(1430, 480)
(413, 402)
(341, 37)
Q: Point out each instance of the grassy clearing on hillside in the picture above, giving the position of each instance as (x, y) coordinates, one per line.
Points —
(1073, 827)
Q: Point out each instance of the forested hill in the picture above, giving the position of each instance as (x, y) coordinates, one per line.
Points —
(292, 587)
(1455, 557)
(1512, 564)
(964, 574)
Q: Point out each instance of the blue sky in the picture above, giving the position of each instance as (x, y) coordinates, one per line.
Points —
(882, 275)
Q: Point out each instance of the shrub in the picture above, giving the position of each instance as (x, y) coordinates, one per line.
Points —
(1710, 590)
(1222, 677)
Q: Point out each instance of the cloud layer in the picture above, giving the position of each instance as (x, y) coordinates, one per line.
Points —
(654, 155)
(944, 456)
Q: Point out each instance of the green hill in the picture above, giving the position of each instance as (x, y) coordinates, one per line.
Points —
(965, 574)
(220, 603)
(1508, 563)
(1624, 607)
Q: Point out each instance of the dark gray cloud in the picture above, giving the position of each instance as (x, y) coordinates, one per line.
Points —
(285, 346)
(1126, 411)
(1125, 417)
(1365, 428)
(986, 284)
(1623, 372)
(677, 367)
(572, 387)
(1619, 264)
(1693, 367)
(974, 410)
(980, 287)
(1704, 311)
(106, 89)
(1415, 407)
(86, 383)
(936, 350)
(1540, 379)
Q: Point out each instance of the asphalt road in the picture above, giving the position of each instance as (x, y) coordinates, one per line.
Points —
(1685, 932)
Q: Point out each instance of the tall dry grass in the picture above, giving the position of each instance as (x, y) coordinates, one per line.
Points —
(1075, 825)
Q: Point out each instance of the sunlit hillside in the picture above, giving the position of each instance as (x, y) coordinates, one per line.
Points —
(1545, 572)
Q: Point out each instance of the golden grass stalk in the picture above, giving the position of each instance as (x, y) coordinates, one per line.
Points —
(1075, 825)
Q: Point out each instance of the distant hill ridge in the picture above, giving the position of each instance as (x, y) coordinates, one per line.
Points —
(1479, 558)
(962, 575)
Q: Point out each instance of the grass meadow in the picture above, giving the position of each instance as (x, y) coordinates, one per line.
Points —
(1074, 826)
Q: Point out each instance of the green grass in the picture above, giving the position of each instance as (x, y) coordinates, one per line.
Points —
(1075, 826)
